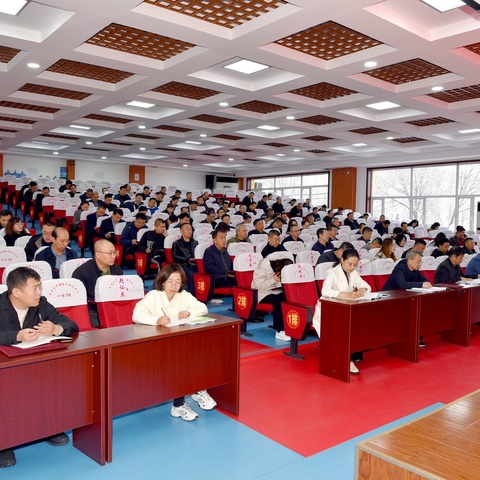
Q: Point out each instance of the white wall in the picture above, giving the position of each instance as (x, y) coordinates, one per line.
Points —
(33, 166)
(42, 166)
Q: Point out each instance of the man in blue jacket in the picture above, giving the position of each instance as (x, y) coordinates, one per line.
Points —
(58, 252)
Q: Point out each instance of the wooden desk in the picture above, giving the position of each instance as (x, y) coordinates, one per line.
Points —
(444, 444)
(47, 393)
(147, 365)
(349, 326)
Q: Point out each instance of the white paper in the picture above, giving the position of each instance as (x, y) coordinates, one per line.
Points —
(175, 321)
(41, 340)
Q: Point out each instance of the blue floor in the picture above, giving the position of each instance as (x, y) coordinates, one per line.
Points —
(151, 444)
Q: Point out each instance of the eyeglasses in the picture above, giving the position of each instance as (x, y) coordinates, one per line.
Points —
(113, 254)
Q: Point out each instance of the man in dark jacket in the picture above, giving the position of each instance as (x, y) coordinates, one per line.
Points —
(183, 251)
(217, 261)
(406, 275)
(45, 239)
(24, 316)
(58, 252)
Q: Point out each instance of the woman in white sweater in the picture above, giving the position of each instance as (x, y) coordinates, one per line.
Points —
(169, 299)
(343, 281)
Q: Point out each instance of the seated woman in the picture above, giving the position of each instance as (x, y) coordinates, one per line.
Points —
(343, 281)
(267, 280)
(387, 250)
(14, 229)
(169, 299)
(400, 240)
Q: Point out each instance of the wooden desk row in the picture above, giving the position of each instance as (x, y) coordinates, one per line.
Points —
(397, 322)
(108, 372)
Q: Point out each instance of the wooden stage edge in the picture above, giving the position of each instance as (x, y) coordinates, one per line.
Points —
(441, 445)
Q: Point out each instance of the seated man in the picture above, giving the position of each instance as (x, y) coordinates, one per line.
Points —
(294, 235)
(102, 263)
(45, 239)
(107, 201)
(458, 239)
(241, 235)
(58, 252)
(473, 267)
(152, 242)
(91, 225)
(122, 195)
(323, 239)
(366, 235)
(375, 243)
(449, 270)
(382, 227)
(351, 222)
(419, 246)
(273, 244)
(183, 251)
(469, 246)
(210, 217)
(107, 227)
(334, 255)
(129, 235)
(442, 249)
(259, 225)
(406, 274)
(24, 315)
(217, 261)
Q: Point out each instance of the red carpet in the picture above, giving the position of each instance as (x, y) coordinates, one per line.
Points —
(314, 412)
(248, 348)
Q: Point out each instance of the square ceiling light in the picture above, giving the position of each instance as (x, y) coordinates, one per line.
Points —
(135, 103)
(246, 66)
(444, 5)
(383, 105)
(12, 7)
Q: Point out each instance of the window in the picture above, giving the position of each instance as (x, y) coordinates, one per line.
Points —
(314, 186)
(446, 194)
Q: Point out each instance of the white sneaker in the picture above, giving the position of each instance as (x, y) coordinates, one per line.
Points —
(281, 336)
(204, 400)
(216, 300)
(353, 368)
(184, 411)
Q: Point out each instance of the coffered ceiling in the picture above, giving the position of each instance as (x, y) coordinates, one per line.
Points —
(313, 104)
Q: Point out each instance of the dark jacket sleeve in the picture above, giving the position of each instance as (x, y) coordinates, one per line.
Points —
(403, 282)
(128, 235)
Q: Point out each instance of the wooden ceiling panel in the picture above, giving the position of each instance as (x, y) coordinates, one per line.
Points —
(229, 14)
(328, 41)
(323, 91)
(139, 42)
(53, 91)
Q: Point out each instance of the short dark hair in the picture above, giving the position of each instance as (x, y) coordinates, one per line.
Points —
(19, 277)
(108, 195)
(367, 229)
(420, 241)
(183, 215)
(117, 211)
(456, 252)
(140, 216)
(273, 233)
(397, 230)
(5, 213)
(320, 231)
(331, 227)
(164, 275)
(346, 246)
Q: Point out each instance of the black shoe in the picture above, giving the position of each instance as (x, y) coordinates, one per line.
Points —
(7, 458)
(256, 320)
(57, 440)
(422, 344)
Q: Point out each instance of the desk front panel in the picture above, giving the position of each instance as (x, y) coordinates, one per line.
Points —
(162, 368)
(43, 398)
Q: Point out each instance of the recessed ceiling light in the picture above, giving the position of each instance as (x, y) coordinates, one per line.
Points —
(438, 88)
(297, 150)
(370, 64)
(55, 153)
(41, 143)
(390, 138)
(185, 165)
(142, 148)
(471, 130)
(246, 66)
(268, 127)
(193, 143)
(203, 135)
(280, 154)
(383, 105)
(359, 144)
(290, 117)
(141, 104)
(33, 65)
(444, 5)
(142, 127)
(88, 143)
(81, 127)
(104, 158)
(230, 159)
(12, 7)
(223, 104)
